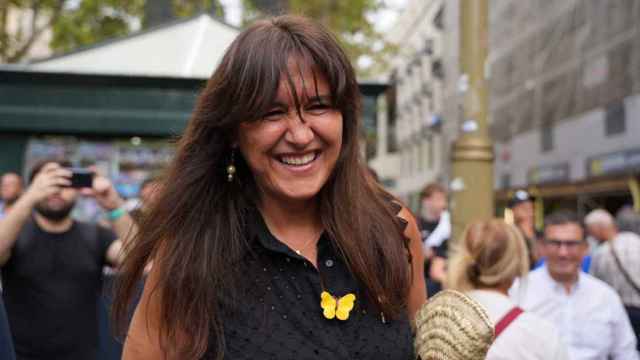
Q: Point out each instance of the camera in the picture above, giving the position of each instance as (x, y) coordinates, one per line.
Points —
(81, 178)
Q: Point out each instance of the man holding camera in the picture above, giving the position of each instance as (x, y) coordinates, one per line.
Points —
(52, 264)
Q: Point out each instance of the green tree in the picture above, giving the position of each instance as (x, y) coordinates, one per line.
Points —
(77, 23)
(22, 23)
(89, 21)
(349, 20)
(92, 21)
(192, 7)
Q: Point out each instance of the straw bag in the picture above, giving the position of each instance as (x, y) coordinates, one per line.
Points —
(452, 326)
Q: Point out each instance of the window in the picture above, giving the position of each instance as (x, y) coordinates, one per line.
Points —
(438, 20)
(392, 129)
(428, 47)
(437, 69)
(419, 156)
(546, 137)
(425, 153)
(615, 122)
(430, 153)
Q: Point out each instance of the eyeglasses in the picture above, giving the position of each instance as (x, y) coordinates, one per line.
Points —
(569, 244)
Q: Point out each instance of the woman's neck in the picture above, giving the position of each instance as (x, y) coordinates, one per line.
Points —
(281, 213)
(296, 224)
(502, 289)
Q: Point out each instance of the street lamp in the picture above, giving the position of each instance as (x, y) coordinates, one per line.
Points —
(472, 155)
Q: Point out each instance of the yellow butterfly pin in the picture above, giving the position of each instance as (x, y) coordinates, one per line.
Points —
(336, 307)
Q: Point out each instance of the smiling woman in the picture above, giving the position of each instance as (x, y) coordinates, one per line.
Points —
(294, 148)
(269, 238)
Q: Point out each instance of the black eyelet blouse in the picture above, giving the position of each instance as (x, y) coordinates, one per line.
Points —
(280, 317)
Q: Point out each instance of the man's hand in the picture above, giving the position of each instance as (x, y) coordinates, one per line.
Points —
(49, 181)
(104, 193)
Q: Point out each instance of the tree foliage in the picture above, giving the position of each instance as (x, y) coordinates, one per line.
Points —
(96, 20)
(349, 20)
(191, 7)
(77, 23)
(22, 22)
(91, 21)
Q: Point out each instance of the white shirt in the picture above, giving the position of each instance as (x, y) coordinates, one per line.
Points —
(591, 318)
(441, 233)
(605, 268)
(528, 337)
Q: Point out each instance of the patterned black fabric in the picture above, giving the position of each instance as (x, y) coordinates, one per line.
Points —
(279, 316)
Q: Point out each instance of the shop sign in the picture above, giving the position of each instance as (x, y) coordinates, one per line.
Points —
(548, 174)
(627, 161)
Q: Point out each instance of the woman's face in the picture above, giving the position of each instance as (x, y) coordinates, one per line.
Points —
(291, 157)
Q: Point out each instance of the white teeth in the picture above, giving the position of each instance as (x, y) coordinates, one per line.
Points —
(298, 160)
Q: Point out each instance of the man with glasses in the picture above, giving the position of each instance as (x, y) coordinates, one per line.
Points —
(588, 313)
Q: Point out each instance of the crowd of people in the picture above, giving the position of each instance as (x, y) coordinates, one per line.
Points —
(576, 282)
(268, 238)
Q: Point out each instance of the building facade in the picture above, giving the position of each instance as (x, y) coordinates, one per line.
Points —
(410, 141)
(565, 100)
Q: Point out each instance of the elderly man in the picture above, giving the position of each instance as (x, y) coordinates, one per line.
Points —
(588, 312)
(617, 261)
(52, 265)
(10, 191)
(628, 219)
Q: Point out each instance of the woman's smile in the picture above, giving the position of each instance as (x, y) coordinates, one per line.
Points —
(298, 160)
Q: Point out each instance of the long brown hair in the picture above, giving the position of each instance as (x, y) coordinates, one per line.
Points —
(194, 232)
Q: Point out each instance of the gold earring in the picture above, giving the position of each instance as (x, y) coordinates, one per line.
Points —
(231, 169)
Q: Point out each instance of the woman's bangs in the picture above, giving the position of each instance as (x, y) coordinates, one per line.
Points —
(301, 62)
(268, 59)
(332, 69)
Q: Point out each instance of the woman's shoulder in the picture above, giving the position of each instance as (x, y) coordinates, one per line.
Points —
(400, 210)
(529, 337)
(409, 223)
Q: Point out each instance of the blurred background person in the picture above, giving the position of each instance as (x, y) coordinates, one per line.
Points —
(588, 312)
(109, 346)
(10, 190)
(52, 264)
(435, 230)
(522, 207)
(149, 190)
(628, 219)
(600, 226)
(484, 265)
(6, 341)
(617, 261)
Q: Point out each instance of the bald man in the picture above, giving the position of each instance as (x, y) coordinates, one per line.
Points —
(10, 190)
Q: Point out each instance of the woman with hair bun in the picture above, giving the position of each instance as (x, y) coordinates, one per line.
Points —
(489, 257)
(269, 238)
